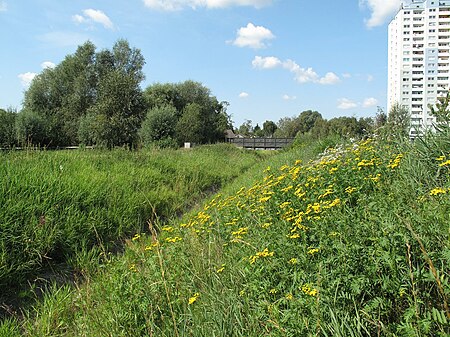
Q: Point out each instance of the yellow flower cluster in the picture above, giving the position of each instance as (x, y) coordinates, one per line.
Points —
(395, 162)
(264, 253)
(309, 290)
(438, 190)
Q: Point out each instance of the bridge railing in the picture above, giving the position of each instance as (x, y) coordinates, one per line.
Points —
(261, 143)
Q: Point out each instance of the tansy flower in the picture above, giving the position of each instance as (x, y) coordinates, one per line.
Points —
(193, 298)
(437, 191)
(293, 261)
(312, 251)
(445, 163)
(308, 290)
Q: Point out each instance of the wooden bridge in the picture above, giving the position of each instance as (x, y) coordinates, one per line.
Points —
(261, 143)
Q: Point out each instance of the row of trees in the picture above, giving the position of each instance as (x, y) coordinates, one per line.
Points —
(94, 98)
(394, 124)
(309, 122)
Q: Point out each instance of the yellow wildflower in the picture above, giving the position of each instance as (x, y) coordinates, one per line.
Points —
(136, 237)
(293, 261)
(167, 229)
(289, 297)
(266, 225)
(308, 290)
(273, 291)
(173, 239)
(241, 231)
(445, 163)
(221, 269)
(312, 251)
(264, 199)
(193, 298)
(284, 190)
(396, 162)
(350, 190)
(264, 253)
(438, 190)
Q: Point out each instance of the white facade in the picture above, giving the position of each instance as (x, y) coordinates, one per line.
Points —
(418, 58)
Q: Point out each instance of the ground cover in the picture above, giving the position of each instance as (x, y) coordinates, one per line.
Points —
(353, 243)
(67, 207)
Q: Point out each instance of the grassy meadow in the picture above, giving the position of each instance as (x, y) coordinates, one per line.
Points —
(65, 207)
(353, 242)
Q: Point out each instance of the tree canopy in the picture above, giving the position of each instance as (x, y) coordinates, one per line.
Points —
(198, 116)
(102, 87)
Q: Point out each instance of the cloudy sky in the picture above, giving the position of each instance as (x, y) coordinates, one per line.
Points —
(268, 58)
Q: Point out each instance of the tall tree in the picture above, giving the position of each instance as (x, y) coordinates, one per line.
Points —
(199, 105)
(306, 120)
(399, 121)
(269, 128)
(99, 87)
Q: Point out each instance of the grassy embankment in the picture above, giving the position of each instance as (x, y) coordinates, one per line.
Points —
(68, 207)
(355, 243)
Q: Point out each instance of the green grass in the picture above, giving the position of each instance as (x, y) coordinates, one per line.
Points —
(59, 205)
(353, 243)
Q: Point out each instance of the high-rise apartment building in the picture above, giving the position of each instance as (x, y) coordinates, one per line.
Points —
(418, 59)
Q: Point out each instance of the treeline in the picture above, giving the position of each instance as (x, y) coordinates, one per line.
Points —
(94, 98)
(312, 123)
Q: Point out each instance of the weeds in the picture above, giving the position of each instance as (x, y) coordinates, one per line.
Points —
(352, 243)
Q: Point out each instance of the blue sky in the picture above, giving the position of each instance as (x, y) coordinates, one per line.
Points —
(268, 58)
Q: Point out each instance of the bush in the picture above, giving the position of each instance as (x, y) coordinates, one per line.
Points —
(7, 128)
(159, 126)
(31, 129)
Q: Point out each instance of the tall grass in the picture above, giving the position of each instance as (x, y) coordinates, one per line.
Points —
(59, 205)
(353, 243)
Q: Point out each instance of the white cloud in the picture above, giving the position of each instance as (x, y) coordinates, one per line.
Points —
(301, 75)
(345, 104)
(93, 15)
(370, 78)
(381, 10)
(3, 6)
(253, 36)
(48, 64)
(346, 75)
(289, 98)
(329, 78)
(78, 18)
(26, 78)
(174, 5)
(243, 94)
(370, 102)
(265, 62)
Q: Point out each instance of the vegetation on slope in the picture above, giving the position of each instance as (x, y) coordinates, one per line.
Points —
(355, 243)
